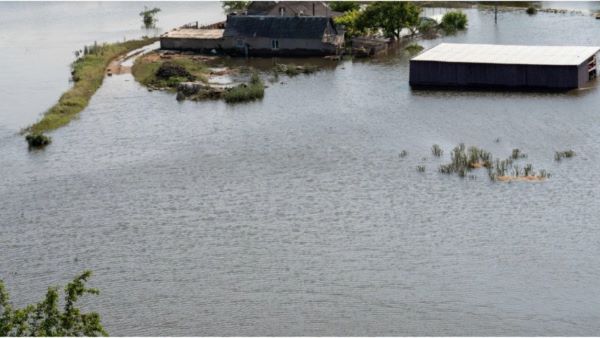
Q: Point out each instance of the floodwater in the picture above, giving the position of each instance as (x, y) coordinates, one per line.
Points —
(295, 215)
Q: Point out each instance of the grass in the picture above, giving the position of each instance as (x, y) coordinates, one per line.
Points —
(148, 72)
(293, 70)
(421, 168)
(88, 74)
(251, 91)
(436, 150)
(559, 155)
(403, 154)
(414, 48)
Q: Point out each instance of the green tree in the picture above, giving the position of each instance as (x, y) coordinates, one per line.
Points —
(390, 16)
(350, 22)
(344, 6)
(46, 319)
(149, 16)
(234, 6)
(453, 21)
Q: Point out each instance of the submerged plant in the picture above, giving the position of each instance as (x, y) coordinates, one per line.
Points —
(403, 154)
(559, 155)
(421, 168)
(517, 154)
(38, 140)
(436, 150)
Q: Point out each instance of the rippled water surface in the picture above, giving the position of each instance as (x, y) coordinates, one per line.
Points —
(295, 215)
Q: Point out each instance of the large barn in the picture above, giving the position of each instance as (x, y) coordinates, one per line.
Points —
(504, 66)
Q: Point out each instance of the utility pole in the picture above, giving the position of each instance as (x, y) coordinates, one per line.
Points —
(496, 12)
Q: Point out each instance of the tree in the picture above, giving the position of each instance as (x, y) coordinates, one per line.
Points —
(453, 21)
(391, 17)
(46, 319)
(234, 6)
(344, 6)
(350, 22)
(149, 16)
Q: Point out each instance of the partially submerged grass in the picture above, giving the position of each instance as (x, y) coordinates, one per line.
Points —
(403, 154)
(436, 150)
(168, 74)
(414, 48)
(253, 90)
(464, 160)
(87, 74)
(293, 70)
(37, 140)
(559, 155)
(421, 168)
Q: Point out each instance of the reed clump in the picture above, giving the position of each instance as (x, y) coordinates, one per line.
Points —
(244, 92)
(403, 154)
(436, 150)
(38, 140)
(421, 168)
(559, 155)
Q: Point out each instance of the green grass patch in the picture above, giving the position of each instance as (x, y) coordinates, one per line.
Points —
(148, 72)
(88, 74)
(253, 90)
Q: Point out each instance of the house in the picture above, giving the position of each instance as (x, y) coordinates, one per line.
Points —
(262, 36)
(291, 8)
(283, 35)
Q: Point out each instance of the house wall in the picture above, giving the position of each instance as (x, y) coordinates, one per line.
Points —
(430, 73)
(290, 47)
(203, 45)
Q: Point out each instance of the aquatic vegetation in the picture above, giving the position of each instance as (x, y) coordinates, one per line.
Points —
(403, 154)
(414, 48)
(517, 154)
(293, 70)
(253, 90)
(464, 160)
(421, 168)
(87, 74)
(559, 155)
(149, 16)
(436, 150)
(38, 140)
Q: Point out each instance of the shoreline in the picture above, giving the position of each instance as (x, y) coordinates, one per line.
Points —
(88, 74)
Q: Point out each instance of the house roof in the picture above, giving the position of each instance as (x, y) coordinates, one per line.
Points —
(293, 8)
(508, 54)
(280, 27)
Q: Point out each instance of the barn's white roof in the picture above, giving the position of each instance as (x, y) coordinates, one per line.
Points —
(508, 54)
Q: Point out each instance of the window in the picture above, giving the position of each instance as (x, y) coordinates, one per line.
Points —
(240, 43)
(281, 11)
(274, 44)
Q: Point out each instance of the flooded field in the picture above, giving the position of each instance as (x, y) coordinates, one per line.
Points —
(295, 215)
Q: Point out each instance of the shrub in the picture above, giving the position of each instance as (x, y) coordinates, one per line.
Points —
(414, 48)
(403, 154)
(170, 69)
(531, 10)
(253, 90)
(453, 21)
(559, 155)
(421, 168)
(38, 140)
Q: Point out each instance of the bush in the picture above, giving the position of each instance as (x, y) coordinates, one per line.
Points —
(38, 140)
(531, 10)
(414, 48)
(253, 90)
(170, 69)
(453, 21)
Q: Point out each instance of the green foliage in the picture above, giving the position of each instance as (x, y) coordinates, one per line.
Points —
(389, 16)
(88, 74)
(531, 10)
(149, 16)
(168, 74)
(350, 21)
(453, 21)
(46, 318)
(344, 6)
(234, 6)
(255, 89)
(413, 48)
(293, 70)
(37, 140)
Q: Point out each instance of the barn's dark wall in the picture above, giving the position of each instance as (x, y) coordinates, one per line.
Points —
(448, 74)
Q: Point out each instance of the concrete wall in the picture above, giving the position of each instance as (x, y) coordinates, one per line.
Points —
(447, 74)
(202, 45)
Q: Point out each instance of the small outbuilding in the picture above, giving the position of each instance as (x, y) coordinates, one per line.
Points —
(504, 66)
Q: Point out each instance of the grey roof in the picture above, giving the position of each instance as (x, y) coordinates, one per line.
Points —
(508, 54)
(278, 27)
(292, 8)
